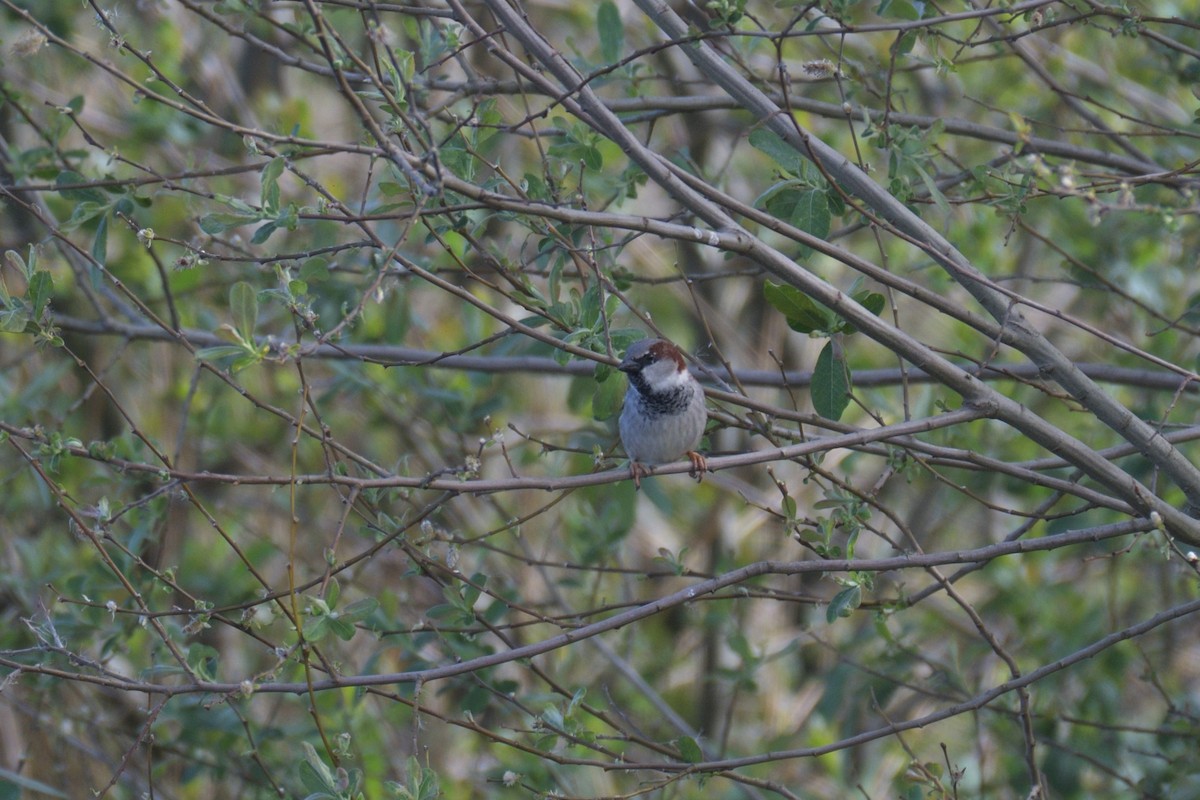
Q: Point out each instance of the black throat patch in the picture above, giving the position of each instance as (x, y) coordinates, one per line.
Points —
(672, 401)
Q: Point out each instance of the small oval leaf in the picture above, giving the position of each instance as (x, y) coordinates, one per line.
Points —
(689, 750)
(612, 34)
(843, 603)
(243, 303)
(802, 313)
(830, 384)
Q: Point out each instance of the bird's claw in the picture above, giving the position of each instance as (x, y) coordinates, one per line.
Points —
(637, 469)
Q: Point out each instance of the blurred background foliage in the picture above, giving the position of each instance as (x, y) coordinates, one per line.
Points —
(308, 316)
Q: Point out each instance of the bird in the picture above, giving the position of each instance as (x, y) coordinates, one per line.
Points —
(664, 414)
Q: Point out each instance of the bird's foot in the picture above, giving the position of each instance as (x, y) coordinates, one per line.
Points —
(699, 465)
(638, 470)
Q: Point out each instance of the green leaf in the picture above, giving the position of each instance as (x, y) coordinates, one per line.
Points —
(898, 9)
(243, 303)
(830, 384)
(689, 750)
(41, 286)
(476, 700)
(904, 45)
(576, 699)
(270, 184)
(591, 156)
(81, 194)
(212, 224)
(589, 307)
(606, 398)
(203, 661)
(315, 775)
(535, 187)
(400, 69)
(871, 301)
(553, 717)
(316, 628)
(219, 352)
(783, 153)
(100, 243)
(843, 603)
(931, 186)
(14, 260)
(264, 232)
(802, 313)
(612, 34)
(83, 212)
(739, 644)
(14, 320)
(793, 202)
(340, 628)
(833, 198)
(788, 505)
(359, 610)
(810, 213)
(421, 783)
(315, 270)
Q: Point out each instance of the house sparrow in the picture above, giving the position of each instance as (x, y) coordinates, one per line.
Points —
(664, 414)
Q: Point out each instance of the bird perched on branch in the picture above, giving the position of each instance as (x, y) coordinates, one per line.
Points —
(664, 414)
